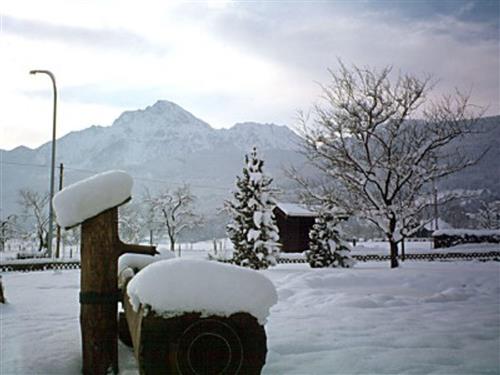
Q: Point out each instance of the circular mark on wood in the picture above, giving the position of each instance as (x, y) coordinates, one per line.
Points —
(209, 347)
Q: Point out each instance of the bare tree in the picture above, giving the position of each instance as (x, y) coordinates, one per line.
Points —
(377, 160)
(150, 216)
(8, 229)
(35, 209)
(71, 239)
(175, 210)
(488, 216)
(131, 223)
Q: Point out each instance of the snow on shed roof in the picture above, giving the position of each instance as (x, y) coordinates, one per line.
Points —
(296, 209)
(441, 225)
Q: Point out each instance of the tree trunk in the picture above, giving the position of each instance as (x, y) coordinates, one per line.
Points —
(392, 242)
(172, 244)
(2, 297)
(40, 242)
(394, 253)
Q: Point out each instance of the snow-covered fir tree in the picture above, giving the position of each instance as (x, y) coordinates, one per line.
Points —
(253, 230)
(326, 246)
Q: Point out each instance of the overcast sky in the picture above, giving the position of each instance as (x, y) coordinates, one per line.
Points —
(224, 61)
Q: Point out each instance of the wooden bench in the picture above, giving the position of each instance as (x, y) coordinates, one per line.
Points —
(190, 344)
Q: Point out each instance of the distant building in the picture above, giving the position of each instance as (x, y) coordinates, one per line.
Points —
(427, 230)
(453, 237)
(294, 222)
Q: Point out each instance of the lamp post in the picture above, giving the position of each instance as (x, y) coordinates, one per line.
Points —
(52, 164)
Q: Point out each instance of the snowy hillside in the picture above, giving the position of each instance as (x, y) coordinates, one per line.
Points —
(265, 136)
(486, 173)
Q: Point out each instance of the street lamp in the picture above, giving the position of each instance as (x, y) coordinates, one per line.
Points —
(52, 164)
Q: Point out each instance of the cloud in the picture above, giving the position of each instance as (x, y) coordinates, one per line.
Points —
(228, 61)
(451, 40)
(115, 39)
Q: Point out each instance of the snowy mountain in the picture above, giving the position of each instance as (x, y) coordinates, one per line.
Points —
(159, 132)
(161, 145)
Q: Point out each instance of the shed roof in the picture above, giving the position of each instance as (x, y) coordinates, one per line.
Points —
(296, 210)
(441, 225)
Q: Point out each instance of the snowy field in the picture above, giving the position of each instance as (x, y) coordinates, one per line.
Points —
(423, 318)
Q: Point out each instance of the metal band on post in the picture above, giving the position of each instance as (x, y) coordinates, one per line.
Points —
(99, 298)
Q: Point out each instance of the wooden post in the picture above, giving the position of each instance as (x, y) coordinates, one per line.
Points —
(100, 249)
(98, 296)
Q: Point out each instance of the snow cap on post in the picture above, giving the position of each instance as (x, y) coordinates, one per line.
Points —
(90, 197)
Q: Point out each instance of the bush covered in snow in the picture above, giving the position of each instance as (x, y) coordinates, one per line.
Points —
(326, 247)
(253, 230)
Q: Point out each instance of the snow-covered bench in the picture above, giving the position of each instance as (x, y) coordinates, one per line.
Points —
(196, 317)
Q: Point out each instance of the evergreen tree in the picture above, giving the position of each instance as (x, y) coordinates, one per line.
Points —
(253, 229)
(326, 247)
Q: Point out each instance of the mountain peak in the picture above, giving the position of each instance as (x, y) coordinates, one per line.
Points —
(159, 115)
(164, 105)
(264, 136)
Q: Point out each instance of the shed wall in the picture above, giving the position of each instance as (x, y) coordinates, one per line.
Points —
(294, 232)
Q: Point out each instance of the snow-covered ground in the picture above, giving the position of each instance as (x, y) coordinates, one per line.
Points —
(423, 318)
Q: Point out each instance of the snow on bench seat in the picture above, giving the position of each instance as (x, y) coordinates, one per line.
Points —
(88, 198)
(130, 264)
(139, 261)
(178, 286)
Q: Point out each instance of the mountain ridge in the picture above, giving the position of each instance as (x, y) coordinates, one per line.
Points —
(162, 141)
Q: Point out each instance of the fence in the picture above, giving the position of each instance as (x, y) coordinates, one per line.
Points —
(64, 265)
(39, 266)
(490, 255)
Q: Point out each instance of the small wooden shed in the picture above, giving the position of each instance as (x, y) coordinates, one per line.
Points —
(294, 223)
